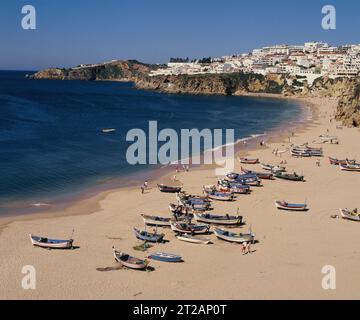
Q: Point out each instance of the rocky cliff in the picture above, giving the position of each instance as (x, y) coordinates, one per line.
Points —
(347, 91)
(116, 70)
(220, 84)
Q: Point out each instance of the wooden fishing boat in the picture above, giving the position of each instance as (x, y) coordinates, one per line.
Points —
(156, 221)
(273, 168)
(288, 176)
(248, 160)
(169, 189)
(234, 237)
(350, 167)
(182, 227)
(179, 210)
(216, 219)
(51, 243)
(337, 162)
(283, 205)
(300, 154)
(306, 151)
(350, 215)
(129, 261)
(219, 196)
(188, 238)
(149, 237)
(232, 175)
(233, 187)
(260, 175)
(165, 257)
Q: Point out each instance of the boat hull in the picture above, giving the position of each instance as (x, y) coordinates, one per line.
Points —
(156, 221)
(232, 237)
(53, 244)
(165, 257)
(222, 220)
(346, 214)
(194, 240)
(290, 206)
(193, 229)
(129, 261)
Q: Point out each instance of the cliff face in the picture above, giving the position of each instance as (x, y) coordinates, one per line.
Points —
(348, 110)
(223, 84)
(117, 70)
(347, 91)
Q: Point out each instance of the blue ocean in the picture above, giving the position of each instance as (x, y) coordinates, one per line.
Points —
(52, 147)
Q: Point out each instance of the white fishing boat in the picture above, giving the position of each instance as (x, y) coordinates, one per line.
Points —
(350, 215)
(234, 237)
(51, 243)
(191, 239)
(215, 219)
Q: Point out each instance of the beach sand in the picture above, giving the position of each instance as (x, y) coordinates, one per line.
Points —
(286, 263)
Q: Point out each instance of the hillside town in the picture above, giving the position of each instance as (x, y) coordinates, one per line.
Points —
(304, 62)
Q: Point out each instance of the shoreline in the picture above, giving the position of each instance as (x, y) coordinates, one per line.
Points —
(89, 200)
(286, 262)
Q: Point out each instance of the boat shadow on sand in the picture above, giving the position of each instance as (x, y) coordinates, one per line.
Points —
(120, 267)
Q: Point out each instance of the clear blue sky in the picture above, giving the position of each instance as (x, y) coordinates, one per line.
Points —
(70, 32)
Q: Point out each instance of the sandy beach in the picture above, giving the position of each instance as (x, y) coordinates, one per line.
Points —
(286, 263)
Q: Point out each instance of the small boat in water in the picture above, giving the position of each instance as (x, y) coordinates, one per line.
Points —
(248, 160)
(149, 237)
(129, 261)
(51, 243)
(234, 237)
(169, 189)
(108, 130)
(189, 238)
(283, 205)
(350, 215)
(156, 221)
(216, 219)
(165, 257)
(182, 227)
(288, 176)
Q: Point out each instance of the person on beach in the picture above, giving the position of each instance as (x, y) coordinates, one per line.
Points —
(174, 177)
(244, 246)
(146, 184)
(248, 247)
(318, 163)
(142, 189)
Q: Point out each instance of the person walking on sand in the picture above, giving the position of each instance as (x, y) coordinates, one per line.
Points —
(146, 184)
(318, 163)
(248, 247)
(174, 177)
(142, 189)
(244, 246)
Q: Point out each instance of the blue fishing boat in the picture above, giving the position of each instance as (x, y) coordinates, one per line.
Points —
(165, 257)
(147, 236)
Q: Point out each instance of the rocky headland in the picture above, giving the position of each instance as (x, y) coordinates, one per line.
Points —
(346, 91)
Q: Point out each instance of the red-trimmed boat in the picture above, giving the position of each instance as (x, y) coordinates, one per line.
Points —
(249, 160)
(337, 162)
